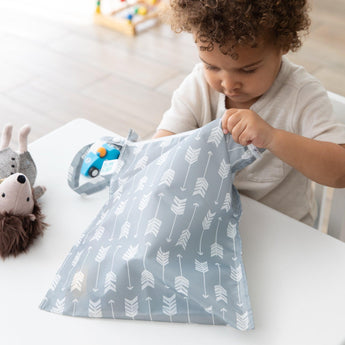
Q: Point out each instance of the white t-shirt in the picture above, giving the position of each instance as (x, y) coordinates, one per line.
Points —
(296, 102)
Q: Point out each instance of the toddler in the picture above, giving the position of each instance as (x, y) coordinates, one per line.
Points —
(245, 78)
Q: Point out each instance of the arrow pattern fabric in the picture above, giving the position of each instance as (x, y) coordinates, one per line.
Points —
(166, 245)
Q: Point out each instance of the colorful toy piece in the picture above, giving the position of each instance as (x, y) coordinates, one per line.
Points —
(142, 10)
(95, 158)
(129, 16)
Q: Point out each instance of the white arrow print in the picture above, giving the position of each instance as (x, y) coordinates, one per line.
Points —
(98, 234)
(187, 306)
(130, 253)
(168, 175)
(95, 308)
(74, 302)
(99, 259)
(166, 141)
(167, 178)
(149, 299)
(191, 157)
(169, 306)
(159, 163)
(154, 223)
(126, 226)
(141, 184)
(59, 306)
(242, 321)
(203, 268)
(223, 172)
(73, 264)
(147, 279)
(142, 205)
(122, 181)
(227, 203)
(210, 311)
(142, 162)
(201, 184)
(206, 224)
(119, 210)
(236, 275)
(223, 310)
(112, 302)
(185, 234)
(117, 194)
(78, 278)
(181, 282)
(231, 232)
(102, 217)
(131, 307)
(110, 277)
(216, 248)
(163, 259)
(220, 292)
(215, 136)
(56, 281)
(178, 208)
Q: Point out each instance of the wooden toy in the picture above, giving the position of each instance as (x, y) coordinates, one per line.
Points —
(128, 16)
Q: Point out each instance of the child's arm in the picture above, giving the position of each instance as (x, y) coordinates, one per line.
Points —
(322, 162)
(162, 133)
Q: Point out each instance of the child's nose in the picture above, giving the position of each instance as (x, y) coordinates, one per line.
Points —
(230, 84)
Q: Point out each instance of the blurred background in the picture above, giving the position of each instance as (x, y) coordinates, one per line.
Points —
(57, 65)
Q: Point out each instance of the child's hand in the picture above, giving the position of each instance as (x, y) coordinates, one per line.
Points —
(247, 127)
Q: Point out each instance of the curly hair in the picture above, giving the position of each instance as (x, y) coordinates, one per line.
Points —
(229, 23)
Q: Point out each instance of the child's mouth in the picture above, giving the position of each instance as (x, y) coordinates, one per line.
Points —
(234, 95)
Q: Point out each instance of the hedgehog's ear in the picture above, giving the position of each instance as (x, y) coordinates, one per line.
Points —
(32, 217)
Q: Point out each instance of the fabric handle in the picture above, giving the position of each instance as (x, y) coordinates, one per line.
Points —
(101, 182)
(74, 175)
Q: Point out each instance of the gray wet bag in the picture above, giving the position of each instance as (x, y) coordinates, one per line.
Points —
(165, 246)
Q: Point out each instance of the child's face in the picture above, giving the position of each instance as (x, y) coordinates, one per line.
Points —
(243, 80)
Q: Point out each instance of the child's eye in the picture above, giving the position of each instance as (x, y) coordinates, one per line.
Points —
(3, 195)
(248, 71)
(211, 68)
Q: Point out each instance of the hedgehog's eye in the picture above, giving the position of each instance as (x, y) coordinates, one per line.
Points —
(3, 195)
(27, 199)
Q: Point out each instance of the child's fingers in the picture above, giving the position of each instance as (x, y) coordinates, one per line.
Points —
(237, 130)
(225, 120)
(233, 121)
(244, 139)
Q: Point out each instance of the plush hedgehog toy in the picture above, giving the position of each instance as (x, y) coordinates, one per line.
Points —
(21, 220)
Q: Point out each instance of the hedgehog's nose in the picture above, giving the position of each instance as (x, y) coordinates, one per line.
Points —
(21, 179)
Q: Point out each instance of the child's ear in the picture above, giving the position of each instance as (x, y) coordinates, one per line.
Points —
(32, 217)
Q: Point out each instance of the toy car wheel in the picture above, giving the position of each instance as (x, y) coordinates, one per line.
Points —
(93, 172)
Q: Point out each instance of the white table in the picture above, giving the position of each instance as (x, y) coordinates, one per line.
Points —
(296, 275)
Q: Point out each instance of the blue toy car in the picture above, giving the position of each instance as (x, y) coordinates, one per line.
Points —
(95, 158)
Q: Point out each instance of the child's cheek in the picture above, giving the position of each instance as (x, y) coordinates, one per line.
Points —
(213, 81)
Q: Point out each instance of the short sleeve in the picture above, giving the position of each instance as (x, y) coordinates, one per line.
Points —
(192, 104)
(314, 118)
(179, 117)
